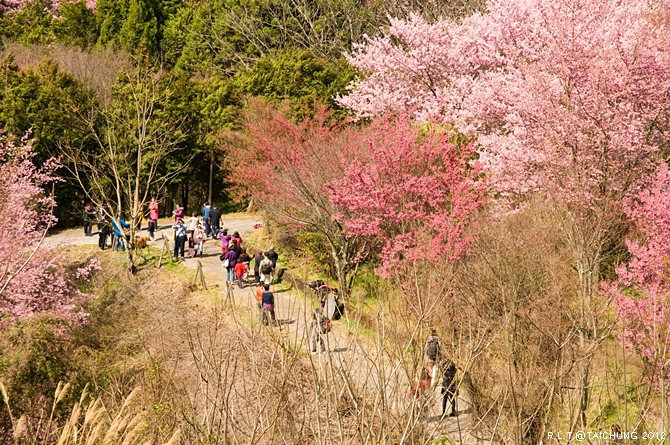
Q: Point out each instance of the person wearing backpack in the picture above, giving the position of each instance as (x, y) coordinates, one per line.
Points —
(432, 350)
(268, 300)
(320, 327)
(266, 269)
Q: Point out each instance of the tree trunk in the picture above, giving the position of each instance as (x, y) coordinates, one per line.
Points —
(211, 175)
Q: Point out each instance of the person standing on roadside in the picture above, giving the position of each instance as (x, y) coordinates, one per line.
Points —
(179, 239)
(153, 218)
(215, 221)
(104, 230)
(178, 213)
(119, 242)
(89, 217)
(206, 210)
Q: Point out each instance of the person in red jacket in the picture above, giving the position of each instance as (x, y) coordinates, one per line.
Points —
(241, 272)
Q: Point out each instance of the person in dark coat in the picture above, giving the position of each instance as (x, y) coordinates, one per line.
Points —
(215, 221)
(104, 230)
(449, 389)
(257, 264)
(89, 217)
(236, 247)
(273, 257)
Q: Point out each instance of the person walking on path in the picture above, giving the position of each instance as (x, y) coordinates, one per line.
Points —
(241, 272)
(225, 240)
(432, 353)
(259, 299)
(432, 350)
(89, 217)
(273, 257)
(235, 245)
(268, 299)
(257, 266)
(179, 239)
(237, 238)
(266, 269)
(449, 389)
(319, 328)
(231, 257)
(206, 210)
(119, 243)
(153, 218)
(215, 221)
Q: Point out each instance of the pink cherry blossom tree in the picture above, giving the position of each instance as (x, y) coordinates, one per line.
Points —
(413, 190)
(32, 280)
(642, 290)
(286, 166)
(566, 100)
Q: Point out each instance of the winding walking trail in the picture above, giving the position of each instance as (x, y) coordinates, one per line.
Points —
(351, 354)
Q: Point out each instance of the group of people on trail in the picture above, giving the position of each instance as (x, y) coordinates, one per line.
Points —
(106, 227)
(195, 230)
(435, 362)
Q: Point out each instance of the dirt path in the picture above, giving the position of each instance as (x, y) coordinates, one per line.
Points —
(350, 354)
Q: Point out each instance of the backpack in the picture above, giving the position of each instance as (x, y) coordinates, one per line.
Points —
(325, 325)
(433, 349)
(266, 269)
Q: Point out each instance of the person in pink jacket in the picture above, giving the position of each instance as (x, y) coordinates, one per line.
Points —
(178, 213)
(153, 218)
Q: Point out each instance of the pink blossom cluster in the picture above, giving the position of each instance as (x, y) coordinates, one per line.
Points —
(562, 96)
(642, 291)
(413, 189)
(32, 280)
